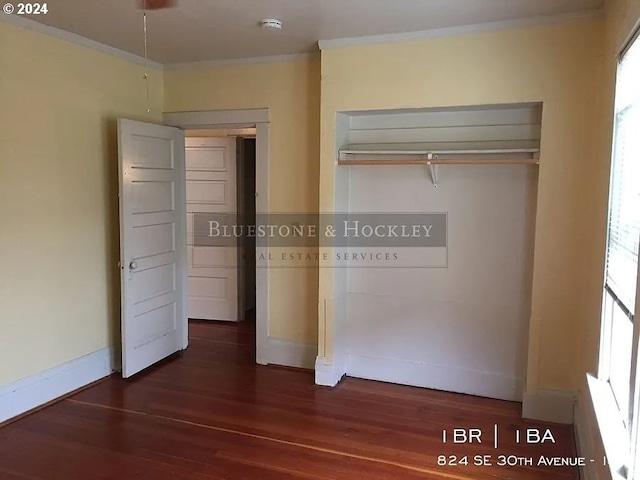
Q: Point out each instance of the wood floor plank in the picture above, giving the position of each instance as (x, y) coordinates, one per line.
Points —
(212, 413)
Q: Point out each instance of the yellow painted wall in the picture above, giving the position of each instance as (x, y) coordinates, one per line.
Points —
(292, 93)
(58, 236)
(559, 65)
(59, 295)
(621, 18)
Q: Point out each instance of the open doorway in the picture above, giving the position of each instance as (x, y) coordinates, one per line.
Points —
(220, 167)
(153, 233)
(259, 120)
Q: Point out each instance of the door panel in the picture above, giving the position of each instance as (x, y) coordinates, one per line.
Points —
(205, 160)
(206, 257)
(153, 239)
(152, 243)
(211, 188)
(152, 196)
(207, 192)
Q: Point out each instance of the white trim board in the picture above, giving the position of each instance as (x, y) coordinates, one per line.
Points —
(78, 40)
(38, 389)
(554, 406)
(217, 118)
(292, 354)
(295, 57)
(456, 31)
(436, 377)
(259, 118)
(327, 375)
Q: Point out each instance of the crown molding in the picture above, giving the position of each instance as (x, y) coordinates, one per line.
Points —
(456, 31)
(137, 59)
(323, 44)
(296, 57)
(77, 39)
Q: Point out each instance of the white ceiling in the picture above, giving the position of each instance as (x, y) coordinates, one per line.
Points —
(203, 30)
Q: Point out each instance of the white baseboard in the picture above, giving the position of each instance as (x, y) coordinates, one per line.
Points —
(36, 390)
(549, 406)
(328, 375)
(437, 377)
(291, 354)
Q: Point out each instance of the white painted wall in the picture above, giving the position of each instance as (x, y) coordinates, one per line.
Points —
(462, 328)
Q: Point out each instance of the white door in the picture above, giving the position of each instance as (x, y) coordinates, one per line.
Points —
(211, 188)
(152, 243)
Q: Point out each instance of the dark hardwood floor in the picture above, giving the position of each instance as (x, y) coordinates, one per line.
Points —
(213, 414)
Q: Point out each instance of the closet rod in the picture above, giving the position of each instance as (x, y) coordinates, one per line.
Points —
(528, 161)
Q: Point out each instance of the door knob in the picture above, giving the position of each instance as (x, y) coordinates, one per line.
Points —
(133, 265)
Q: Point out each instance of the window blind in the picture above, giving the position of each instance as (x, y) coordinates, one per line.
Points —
(624, 204)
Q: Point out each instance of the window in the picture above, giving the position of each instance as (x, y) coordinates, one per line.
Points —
(618, 349)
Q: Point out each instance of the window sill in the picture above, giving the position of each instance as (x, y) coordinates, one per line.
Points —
(613, 433)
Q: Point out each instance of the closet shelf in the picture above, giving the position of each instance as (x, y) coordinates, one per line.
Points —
(452, 161)
(529, 156)
(494, 151)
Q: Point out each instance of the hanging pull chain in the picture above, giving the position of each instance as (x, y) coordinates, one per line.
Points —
(146, 66)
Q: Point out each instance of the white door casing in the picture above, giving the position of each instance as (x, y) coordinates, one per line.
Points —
(241, 219)
(152, 243)
(260, 119)
(211, 188)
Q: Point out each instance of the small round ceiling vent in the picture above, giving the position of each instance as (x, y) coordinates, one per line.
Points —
(271, 24)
